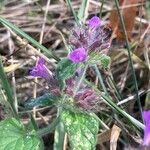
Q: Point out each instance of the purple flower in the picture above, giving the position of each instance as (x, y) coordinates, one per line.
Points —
(78, 55)
(86, 99)
(146, 116)
(92, 40)
(94, 22)
(40, 70)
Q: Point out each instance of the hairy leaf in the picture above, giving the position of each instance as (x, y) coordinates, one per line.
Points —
(44, 100)
(14, 136)
(65, 69)
(82, 130)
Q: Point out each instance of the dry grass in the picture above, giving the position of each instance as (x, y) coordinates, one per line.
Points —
(45, 24)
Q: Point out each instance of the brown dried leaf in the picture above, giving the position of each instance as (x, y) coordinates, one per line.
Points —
(111, 135)
(129, 14)
(115, 132)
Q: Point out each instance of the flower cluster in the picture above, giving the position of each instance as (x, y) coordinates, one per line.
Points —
(85, 98)
(84, 39)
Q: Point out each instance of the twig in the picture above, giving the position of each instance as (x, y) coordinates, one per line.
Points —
(132, 97)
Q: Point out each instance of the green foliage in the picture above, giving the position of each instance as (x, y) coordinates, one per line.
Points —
(45, 100)
(99, 58)
(105, 60)
(15, 137)
(81, 12)
(65, 69)
(81, 128)
(59, 137)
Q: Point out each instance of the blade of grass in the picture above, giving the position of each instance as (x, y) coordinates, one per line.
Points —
(6, 23)
(112, 82)
(130, 59)
(100, 13)
(73, 11)
(109, 101)
(100, 79)
(8, 90)
(81, 12)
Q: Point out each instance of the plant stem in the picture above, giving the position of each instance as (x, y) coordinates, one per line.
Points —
(59, 133)
(49, 128)
(8, 90)
(79, 81)
(130, 60)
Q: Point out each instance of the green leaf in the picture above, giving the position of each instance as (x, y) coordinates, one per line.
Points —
(65, 69)
(44, 100)
(81, 128)
(14, 136)
(105, 60)
(101, 58)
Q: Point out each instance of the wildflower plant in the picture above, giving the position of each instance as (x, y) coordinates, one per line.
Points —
(76, 99)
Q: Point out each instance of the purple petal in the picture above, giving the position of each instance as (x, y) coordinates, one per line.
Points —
(78, 55)
(146, 116)
(41, 61)
(40, 70)
(94, 22)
